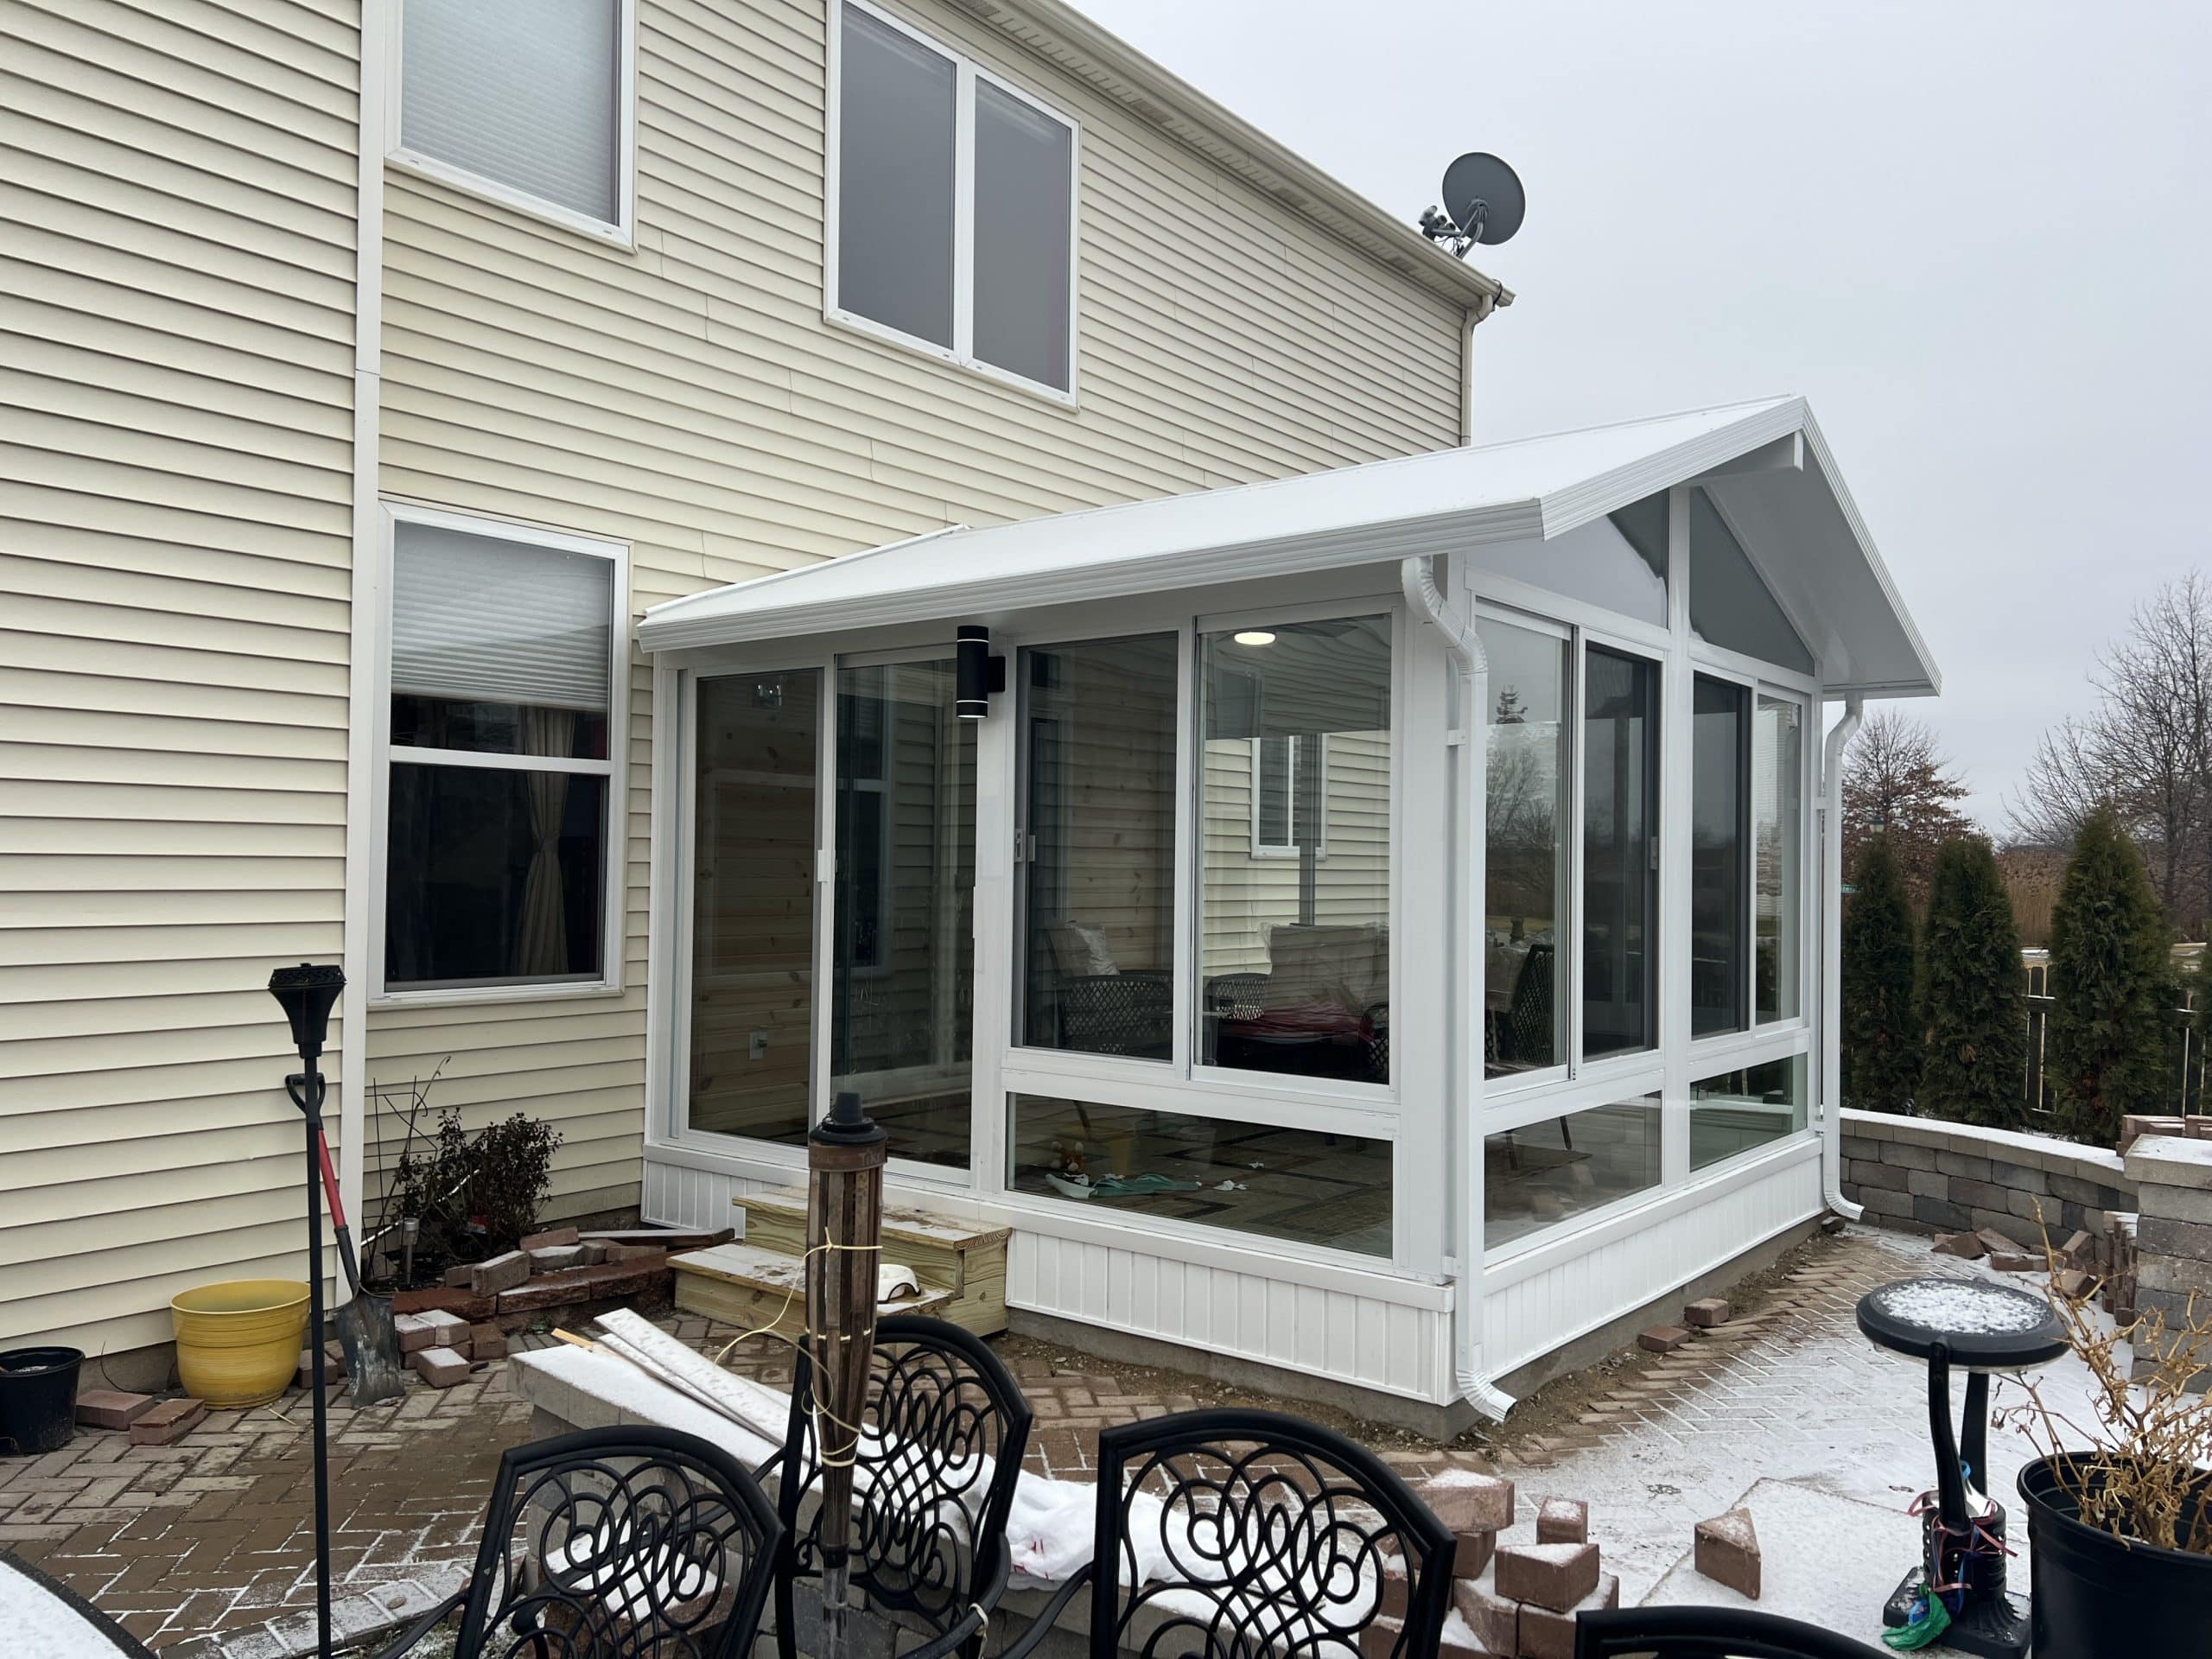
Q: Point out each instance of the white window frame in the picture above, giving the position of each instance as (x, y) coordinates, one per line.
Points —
(967, 72)
(1262, 848)
(622, 234)
(613, 877)
(1670, 1069)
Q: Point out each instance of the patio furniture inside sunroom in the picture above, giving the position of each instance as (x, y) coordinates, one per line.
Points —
(1184, 929)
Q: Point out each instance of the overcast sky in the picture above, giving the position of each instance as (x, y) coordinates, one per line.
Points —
(1977, 236)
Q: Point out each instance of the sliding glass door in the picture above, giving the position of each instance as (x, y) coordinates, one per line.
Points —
(895, 936)
(756, 811)
(902, 1006)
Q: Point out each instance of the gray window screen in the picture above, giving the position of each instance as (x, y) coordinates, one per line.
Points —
(1022, 185)
(523, 93)
(896, 107)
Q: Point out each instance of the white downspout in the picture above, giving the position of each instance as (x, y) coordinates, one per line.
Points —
(1832, 960)
(366, 609)
(1460, 640)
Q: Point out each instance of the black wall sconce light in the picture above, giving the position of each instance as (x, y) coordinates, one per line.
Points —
(976, 673)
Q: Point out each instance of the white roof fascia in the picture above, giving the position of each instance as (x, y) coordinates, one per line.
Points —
(1525, 490)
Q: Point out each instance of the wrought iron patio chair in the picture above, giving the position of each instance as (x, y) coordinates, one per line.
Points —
(941, 1448)
(615, 1543)
(1231, 1533)
(1709, 1633)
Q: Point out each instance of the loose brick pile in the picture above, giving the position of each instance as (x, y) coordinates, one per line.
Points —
(2085, 1264)
(559, 1268)
(1517, 1601)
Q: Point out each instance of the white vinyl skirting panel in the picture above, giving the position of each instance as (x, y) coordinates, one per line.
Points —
(1333, 1333)
(1547, 1297)
(1538, 1300)
(1368, 1341)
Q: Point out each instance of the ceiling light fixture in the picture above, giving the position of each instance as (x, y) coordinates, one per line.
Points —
(1256, 637)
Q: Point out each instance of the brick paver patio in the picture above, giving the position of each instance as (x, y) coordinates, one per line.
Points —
(213, 1534)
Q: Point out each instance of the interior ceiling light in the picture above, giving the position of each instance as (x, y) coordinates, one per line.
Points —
(1256, 637)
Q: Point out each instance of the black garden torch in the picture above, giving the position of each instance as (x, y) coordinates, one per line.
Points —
(307, 994)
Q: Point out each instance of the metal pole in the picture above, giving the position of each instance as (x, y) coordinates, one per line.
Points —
(314, 1093)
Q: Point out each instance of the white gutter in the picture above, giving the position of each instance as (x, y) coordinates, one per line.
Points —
(366, 609)
(1832, 960)
(1465, 1094)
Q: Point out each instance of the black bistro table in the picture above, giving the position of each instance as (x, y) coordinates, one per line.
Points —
(1978, 1327)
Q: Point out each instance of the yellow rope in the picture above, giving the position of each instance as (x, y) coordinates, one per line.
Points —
(807, 1333)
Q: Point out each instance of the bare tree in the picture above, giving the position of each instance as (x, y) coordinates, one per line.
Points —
(2147, 749)
(1897, 782)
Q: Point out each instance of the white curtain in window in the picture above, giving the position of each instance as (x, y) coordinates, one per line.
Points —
(476, 620)
(522, 92)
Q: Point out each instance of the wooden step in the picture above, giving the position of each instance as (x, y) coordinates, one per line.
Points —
(966, 1261)
(766, 1290)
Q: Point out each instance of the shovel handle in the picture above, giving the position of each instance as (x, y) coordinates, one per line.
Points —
(329, 1181)
(337, 1213)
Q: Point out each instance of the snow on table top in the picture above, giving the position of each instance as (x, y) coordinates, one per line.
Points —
(1962, 1307)
(36, 1621)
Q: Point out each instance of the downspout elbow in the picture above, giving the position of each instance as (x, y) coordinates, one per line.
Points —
(1457, 630)
(1832, 960)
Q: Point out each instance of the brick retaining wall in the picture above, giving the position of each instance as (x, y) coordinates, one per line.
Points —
(1921, 1173)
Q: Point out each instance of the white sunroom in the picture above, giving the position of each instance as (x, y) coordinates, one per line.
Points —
(1280, 1022)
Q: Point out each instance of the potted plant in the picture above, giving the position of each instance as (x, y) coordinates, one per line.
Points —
(2120, 1508)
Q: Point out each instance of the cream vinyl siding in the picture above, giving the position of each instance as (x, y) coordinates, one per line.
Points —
(691, 399)
(176, 262)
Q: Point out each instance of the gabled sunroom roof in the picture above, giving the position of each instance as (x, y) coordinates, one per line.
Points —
(1764, 462)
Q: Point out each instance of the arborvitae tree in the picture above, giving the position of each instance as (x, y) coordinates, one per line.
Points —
(1973, 1021)
(2105, 1047)
(1881, 1045)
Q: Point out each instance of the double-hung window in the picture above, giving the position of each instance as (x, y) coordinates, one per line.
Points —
(501, 857)
(952, 228)
(526, 101)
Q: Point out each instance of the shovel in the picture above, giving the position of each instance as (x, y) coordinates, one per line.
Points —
(365, 1323)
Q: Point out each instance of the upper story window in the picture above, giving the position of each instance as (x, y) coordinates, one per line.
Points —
(527, 101)
(953, 216)
(501, 834)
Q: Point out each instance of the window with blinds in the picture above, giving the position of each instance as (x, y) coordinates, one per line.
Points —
(500, 770)
(526, 94)
(906, 186)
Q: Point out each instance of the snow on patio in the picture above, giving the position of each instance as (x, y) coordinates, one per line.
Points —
(1822, 1436)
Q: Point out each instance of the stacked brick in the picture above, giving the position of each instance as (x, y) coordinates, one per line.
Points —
(2173, 1242)
(560, 1268)
(443, 1349)
(2133, 1127)
(1515, 1601)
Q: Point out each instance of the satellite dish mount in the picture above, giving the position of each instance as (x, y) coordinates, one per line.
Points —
(1483, 203)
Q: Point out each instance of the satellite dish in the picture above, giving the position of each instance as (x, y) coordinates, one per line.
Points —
(1483, 198)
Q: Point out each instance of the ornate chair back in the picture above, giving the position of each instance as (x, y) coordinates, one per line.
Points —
(1707, 1633)
(941, 1449)
(1252, 1535)
(621, 1544)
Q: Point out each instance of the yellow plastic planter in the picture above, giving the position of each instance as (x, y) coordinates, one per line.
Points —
(238, 1342)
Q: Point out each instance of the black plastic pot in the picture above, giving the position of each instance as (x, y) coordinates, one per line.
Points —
(2099, 1597)
(38, 1398)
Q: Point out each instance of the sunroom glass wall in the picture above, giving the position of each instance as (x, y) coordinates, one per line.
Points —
(1098, 838)
(902, 1003)
(1620, 789)
(1294, 887)
(1527, 808)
